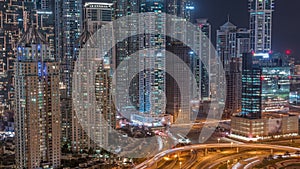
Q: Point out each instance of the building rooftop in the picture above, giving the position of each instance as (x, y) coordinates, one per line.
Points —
(33, 36)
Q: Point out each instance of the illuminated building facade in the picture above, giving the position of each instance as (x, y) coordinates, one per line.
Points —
(275, 89)
(204, 41)
(265, 99)
(175, 106)
(152, 79)
(265, 128)
(232, 42)
(295, 86)
(148, 87)
(96, 14)
(266, 84)
(261, 25)
(123, 50)
(105, 105)
(37, 103)
(14, 17)
(45, 19)
(68, 27)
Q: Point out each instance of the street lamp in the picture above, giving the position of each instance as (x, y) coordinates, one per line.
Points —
(180, 163)
(218, 140)
(231, 144)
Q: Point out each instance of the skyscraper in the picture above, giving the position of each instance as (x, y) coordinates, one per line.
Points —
(37, 103)
(205, 53)
(96, 15)
(232, 43)
(45, 18)
(176, 107)
(127, 47)
(265, 99)
(223, 46)
(147, 87)
(266, 84)
(105, 105)
(261, 25)
(152, 62)
(68, 20)
(14, 19)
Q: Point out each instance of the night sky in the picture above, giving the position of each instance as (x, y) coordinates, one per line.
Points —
(286, 19)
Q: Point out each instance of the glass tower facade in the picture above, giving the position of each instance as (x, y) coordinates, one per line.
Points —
(261, 25)
(265, 84)
(275, 89)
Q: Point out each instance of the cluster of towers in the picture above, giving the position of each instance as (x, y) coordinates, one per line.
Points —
(37, 71)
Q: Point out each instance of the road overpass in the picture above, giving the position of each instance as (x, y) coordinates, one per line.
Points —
(153, 161)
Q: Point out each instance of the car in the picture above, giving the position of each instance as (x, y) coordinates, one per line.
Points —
(184, 140)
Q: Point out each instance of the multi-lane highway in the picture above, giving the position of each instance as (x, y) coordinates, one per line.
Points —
(151, 163)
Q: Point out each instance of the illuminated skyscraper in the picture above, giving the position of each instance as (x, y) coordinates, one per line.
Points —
(261, 25)
(174, 94)
(14, 16)
(124, 49)
(205, 49)
(68, 20)
(265, 99)
(223, 47)
(45, 18)
(146, 89)
(98, 84)
(265, 84)
(37, 103)
(105, 105)
(232, 43)
(97, 14)
(152, 62)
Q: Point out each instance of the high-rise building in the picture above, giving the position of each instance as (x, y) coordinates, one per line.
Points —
(147, 88)
(96, 15)
(127, 47)
(180, 8)
(232, 42)
(45, 19)
(295, 87)
(68, 27)
(261, 25)
(205, 53)
(105, 105)
(265, 99)
(37, 103)
(152, 62)
(266, 84)
(176, 96)
(223, 47)
(14, 16)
